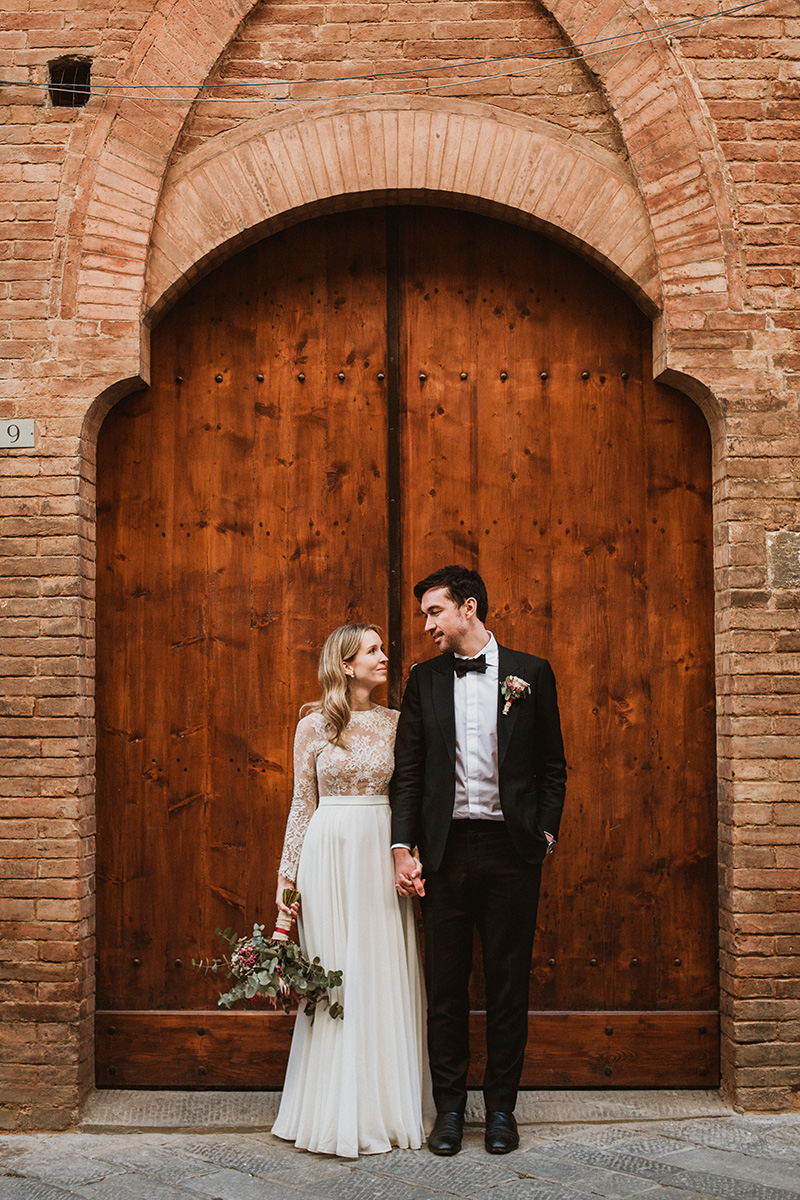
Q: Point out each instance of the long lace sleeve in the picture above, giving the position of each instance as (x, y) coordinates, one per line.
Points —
(304, 797)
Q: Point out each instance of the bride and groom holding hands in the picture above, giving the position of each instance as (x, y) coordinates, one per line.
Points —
(476, 764)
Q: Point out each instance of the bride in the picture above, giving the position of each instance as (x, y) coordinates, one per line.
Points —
(353, 1086)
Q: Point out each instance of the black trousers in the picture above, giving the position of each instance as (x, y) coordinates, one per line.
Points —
(482, 884)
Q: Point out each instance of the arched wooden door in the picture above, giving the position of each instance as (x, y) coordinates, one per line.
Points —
(332, 414)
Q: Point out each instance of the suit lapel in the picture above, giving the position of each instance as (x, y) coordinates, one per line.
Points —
(505, 724)
(443, 702)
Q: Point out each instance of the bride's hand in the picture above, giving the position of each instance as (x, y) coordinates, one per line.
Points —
(290, 910)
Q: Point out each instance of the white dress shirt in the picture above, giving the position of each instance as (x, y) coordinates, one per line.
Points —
(475, 700)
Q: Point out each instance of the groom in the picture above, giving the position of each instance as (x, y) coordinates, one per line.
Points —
(479, 788)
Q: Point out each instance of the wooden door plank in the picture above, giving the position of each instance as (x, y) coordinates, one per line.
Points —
(603, 887)
(124, 585)
(213, 528)
(321, 505)
(565, 1049)
(439, 431)
(681, 638)
(290, 343)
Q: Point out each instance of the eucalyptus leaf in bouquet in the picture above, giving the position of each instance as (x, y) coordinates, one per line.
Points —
(273, 968)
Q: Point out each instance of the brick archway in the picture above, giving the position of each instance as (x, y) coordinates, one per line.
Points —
(676, 167)
(678, 263)
(269, 173)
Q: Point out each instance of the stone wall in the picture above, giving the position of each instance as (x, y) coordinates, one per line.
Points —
(703, 129)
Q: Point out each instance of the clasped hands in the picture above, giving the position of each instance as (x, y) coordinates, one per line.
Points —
(407, 873)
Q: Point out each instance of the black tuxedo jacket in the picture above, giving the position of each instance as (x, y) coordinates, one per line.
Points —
(530, 756)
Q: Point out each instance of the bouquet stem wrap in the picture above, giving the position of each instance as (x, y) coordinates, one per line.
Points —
(283, 925)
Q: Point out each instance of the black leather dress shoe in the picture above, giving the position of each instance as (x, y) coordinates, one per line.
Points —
(445, 1137)
(501, 1133)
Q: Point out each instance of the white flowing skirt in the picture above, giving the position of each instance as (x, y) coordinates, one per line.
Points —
(357, 1085)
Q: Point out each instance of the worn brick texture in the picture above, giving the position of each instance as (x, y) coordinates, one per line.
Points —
(704, 126)
(299, 44)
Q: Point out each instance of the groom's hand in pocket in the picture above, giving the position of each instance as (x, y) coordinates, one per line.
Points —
(407, 873)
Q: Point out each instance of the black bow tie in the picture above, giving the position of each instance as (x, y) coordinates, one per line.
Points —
(471, 664)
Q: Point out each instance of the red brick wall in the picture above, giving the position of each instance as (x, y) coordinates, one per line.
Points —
(299, 43)
(746, 69)
(709, 127)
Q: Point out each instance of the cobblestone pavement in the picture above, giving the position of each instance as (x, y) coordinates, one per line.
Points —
(725, 1157)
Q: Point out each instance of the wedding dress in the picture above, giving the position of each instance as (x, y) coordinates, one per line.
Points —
(356, 1085)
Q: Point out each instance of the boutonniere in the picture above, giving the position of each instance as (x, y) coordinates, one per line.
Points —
(513, 688)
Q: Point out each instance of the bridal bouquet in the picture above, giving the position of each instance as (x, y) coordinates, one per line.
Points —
(273, 968)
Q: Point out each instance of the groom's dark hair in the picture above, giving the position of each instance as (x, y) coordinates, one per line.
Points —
(461, 584)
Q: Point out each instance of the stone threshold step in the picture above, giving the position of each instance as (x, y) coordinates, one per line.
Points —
(121, 1111)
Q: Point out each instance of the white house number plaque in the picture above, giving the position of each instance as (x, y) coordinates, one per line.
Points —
(16, 434)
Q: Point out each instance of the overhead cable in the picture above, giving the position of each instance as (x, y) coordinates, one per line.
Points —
(575, 52)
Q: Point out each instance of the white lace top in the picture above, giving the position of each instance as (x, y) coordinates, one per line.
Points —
(363, 767)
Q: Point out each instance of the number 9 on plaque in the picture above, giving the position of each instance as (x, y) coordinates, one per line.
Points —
(17, 434)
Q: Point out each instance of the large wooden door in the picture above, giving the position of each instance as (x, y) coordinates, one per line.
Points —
(332, 414)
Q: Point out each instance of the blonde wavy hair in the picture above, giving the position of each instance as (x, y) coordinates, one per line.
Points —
(340, 647)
